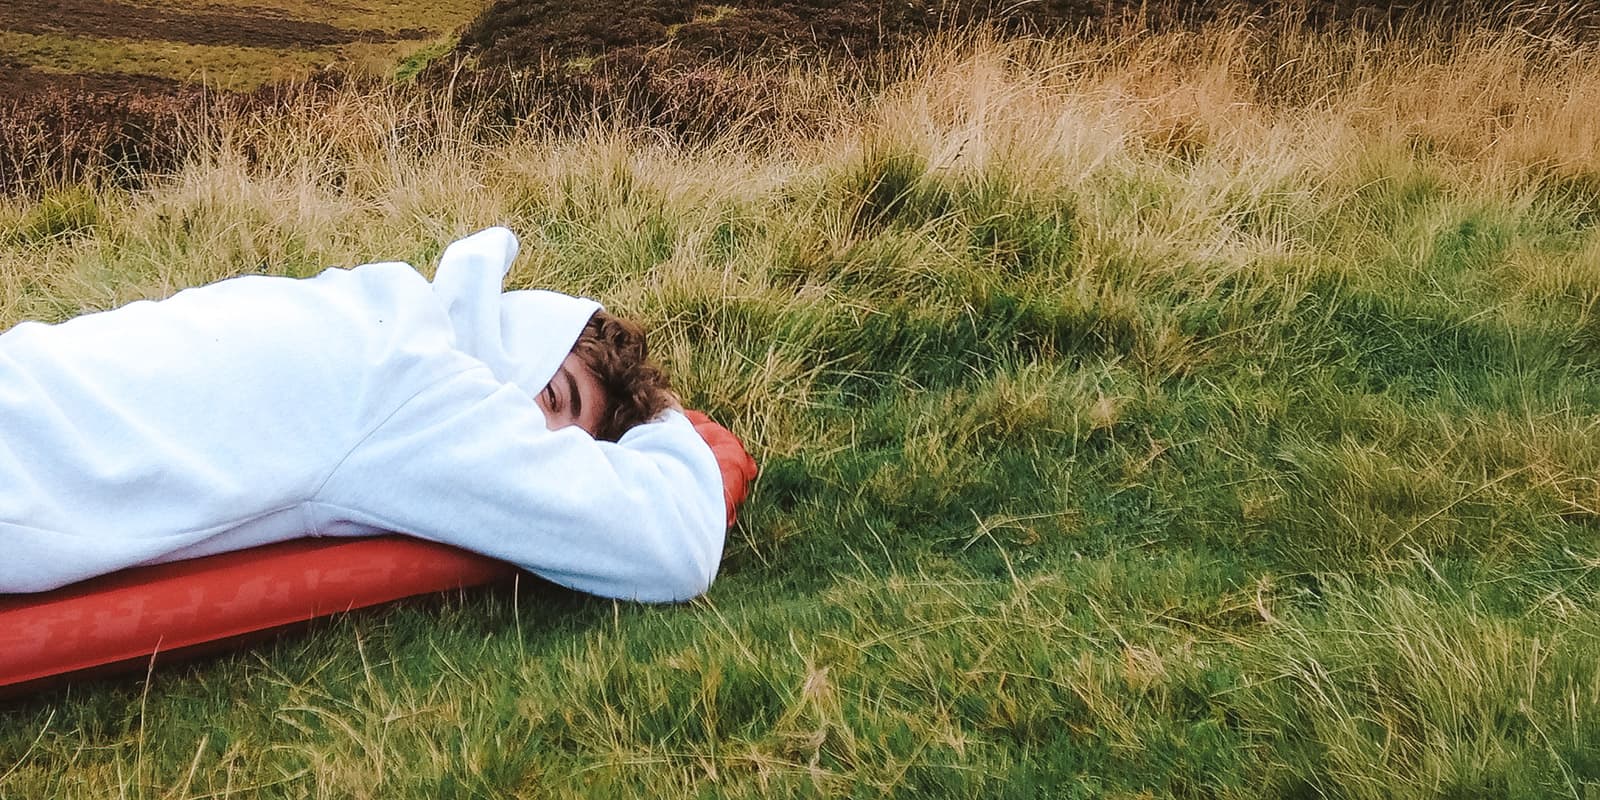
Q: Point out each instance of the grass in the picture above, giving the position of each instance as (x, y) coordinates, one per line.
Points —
(387, 15)
(229, 67)
(1204, 414)
(396, 32)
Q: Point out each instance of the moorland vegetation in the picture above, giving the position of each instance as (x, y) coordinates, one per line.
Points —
(1146, 410)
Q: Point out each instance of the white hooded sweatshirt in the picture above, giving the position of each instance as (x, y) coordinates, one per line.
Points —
(260, 409)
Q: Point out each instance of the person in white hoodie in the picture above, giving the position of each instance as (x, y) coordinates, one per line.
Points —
(364, 400)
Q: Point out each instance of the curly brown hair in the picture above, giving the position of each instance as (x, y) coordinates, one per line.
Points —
(636, 390)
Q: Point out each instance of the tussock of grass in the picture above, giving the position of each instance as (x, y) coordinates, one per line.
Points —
(1208, 414)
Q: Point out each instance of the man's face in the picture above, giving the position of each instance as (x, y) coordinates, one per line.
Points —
(573, 397)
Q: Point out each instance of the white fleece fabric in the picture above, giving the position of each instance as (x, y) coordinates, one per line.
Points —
(361, 401)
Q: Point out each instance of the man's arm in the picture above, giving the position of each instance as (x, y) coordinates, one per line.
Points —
(469, 463)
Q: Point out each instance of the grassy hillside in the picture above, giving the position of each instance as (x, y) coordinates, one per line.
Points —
(1211, 413)
(112, 44)
(104, 91)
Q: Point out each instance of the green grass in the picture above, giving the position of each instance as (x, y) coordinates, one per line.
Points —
(1128, 430)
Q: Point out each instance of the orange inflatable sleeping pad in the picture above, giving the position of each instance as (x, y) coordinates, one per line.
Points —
(122, 620)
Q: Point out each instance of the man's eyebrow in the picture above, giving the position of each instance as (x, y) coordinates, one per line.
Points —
(576, 403)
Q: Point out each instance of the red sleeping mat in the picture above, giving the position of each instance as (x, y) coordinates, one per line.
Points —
(123, 619)
(128, 616)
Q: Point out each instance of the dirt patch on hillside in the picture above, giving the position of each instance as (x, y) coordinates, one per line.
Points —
(238, 26)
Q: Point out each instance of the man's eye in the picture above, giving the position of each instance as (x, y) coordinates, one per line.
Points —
(550, 399)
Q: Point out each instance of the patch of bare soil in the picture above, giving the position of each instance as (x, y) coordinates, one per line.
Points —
(238, 26)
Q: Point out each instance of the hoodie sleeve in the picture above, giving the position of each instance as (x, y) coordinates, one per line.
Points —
(469, 463)
(522, 336)
(468, 282)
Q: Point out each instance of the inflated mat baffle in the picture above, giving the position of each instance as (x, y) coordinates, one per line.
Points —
(136, 613)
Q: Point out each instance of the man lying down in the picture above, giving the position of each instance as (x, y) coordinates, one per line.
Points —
(526, 426)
